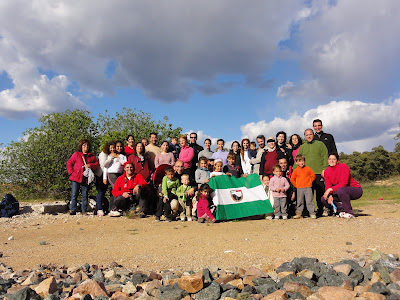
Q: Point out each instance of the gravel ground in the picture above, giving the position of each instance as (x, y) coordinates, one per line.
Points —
(142, 243)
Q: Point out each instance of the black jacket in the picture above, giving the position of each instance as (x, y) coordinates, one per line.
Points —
(328, 140)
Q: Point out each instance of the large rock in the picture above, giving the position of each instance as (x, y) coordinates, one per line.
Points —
(238, 283)
(343, 268)
(379, 288)
(46, 287)
(129, 288)
(395, 276)
(33, 278)
(306, 273)
(372, 296)
(208, 278)
(277, 295)
(191, 283)
(212, 292)
(91, 287)
(253, 271)
(25, 294)
(334, 293)
(293, 287)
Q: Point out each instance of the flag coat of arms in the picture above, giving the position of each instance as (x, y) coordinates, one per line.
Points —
(239, 197)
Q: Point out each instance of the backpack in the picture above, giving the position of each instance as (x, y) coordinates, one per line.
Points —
(9, 206)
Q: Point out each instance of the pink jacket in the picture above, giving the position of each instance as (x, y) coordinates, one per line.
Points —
(202, 208)
(339, 176)
(278, 183)
(186, 155)
(75, 165)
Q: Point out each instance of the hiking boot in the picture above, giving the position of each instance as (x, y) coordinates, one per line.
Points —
(72, 213)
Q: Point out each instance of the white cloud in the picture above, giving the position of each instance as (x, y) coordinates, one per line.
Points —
(355, 125)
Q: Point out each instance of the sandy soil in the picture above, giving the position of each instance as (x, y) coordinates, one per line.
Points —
(148, 245)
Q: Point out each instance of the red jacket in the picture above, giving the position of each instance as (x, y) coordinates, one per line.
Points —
(203, 208)
(123, 184)
(75, 165)
(128, 151)
(141, 168)
(339, 176)
(186, 155)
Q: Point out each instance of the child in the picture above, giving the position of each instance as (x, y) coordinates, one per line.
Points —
(202, 173)
(184, 200)
(168, 187)
(217, 168)
(203, 206)
(279, 185)
(302, 179)
(253, 150)
(231, 169)
(265, 183)
(174, 147)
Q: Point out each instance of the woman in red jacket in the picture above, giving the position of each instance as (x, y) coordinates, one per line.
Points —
(186, 155)
(76, 165)
(340, 187)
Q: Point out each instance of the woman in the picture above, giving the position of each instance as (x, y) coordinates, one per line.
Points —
(340, 187)
(80, 161)
(245, 157)
(294, 145)
(100, 185)
(268, 159)
(114, 165)
(283, 151)
(186, 154)
(130, 145)
(164, 157)
(140, 162)
(207, 153)
(235, 149)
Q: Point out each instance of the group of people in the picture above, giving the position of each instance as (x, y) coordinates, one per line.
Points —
(290, 170)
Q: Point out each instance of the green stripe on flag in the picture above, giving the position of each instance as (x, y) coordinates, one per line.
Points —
(227, 182)
(247, 209)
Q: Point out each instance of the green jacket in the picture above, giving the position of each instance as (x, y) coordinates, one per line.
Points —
(182, 190)
(316, 155)
(169, 184)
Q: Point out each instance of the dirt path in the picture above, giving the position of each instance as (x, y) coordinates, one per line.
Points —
(190, 245)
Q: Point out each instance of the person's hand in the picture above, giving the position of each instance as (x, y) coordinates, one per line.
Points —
(326, 194)
(229, 174)
(293, 196)
(125, 195)
(207, 180)
(165, 199)
(190, 192)
(289, 146)
(322, 173)
(105, 181)
(136, 190)
(115, 155)
(330, 199)
(245, 175)
(213, 175)
(87, 166)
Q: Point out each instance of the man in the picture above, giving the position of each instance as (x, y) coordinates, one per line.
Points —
(196, 148)
(152, 149)
(127, 190)
(326, 138)
(316, 155)
(145, 142)
(257, 160)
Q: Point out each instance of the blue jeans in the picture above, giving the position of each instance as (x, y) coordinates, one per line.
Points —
(101, 191)
(75, 191)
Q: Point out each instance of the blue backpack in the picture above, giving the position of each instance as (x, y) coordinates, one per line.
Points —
(9, 206)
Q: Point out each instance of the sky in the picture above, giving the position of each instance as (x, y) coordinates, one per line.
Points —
(224, 69)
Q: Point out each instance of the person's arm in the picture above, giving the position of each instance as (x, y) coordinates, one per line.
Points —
(157, 161)
(164, 186)
(272, 184)
(117, 189)
(198, 177)
(324, 156)
(312, 174)
(286, 184)
(175, 187)
(187, 155)
(293, 179)
(105, 172)
(258, 157)
(93, 162)
(172, 159)
(344, 177)
(262, 164)
(71, 163)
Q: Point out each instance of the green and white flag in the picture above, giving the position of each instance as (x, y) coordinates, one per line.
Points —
(239, 197)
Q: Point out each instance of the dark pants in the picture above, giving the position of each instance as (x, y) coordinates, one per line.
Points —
(75, 191)
(122, 203)
(342, 198)
(101, 191)
(318, 188)
(164, 207)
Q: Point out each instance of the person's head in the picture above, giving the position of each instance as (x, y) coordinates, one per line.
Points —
(207, 144)
(333, 159)
(295, 140)
(205, 189)
(203, 162)
(271, 142)
(169, 172)
(283, 163)
(145, 142)
(245, 144)
(317, 125)
(235, 146)
(140, 148)
(277, 170)
(261, 141)
(111, 147)
(106, 147)
(281, 137)
(220, 144)
(193, 137)
(218, 165)
(84, 146)
(253, 146)
(231, 158)
(130, 140)
(119, 147)
(300, 160)
(164, 146)
(183, 140)
(153, 138)
(174, 140)
(179, 167)
(185, 179)
(129, 168)
(309, 135)
(265, 180)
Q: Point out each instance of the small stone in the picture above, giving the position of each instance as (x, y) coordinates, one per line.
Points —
(86, 267)
(191, 283)
(376, 277)
(349, 243)
(277, 295)
(379, 288)
(288, 266)
(260, 281)
(285, 273)
(91, 287)
(293, 287)
(110, 275)
(207, 276)
(33, 278)
(113, 287)
(212, 292)
(73, 269)
(395, 275)
(238, 283)
(229, 294)
(345, 269)
(43, 243)
(266, 289)
(120, 296)
(334, 293)
(361, 289)
(372, 296)
(46, 287)
(129, 288)
(226, 278)
(139, 278)
(253, 271)
(248, 280)
(25, 293)
(376, 255)
(171, 281)
(77, 277)
(98, 276)
(11, 238)
(154, 275)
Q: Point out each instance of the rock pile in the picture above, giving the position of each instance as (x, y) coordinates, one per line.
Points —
(376, 277)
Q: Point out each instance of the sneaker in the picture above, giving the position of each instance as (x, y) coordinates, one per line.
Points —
(297, 216)
(183, 219)
(167, 220)
(325, 213)
(284, 217)
(100, 213)
(346, 215)
(200, 220)
(269, 217)
(313, 216)
(72, 213)
(114, 213)
(276, 218)
(189, 219)
(158, 219)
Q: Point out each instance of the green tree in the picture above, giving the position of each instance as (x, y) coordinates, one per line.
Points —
(36, 163)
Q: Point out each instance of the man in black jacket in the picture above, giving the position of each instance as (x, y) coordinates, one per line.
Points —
(196, 148)
(326, 138)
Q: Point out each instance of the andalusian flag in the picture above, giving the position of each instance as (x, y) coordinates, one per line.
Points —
(239, 197)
